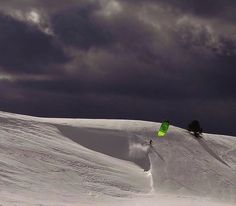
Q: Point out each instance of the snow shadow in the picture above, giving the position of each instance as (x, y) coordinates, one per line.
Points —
(203, 143)
(110, 142)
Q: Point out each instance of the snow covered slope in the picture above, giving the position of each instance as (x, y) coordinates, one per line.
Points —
(101, 162)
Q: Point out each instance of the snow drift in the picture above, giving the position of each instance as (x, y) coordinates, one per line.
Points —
(102, 162)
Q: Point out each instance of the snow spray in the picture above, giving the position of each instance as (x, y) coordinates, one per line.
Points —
(138, 150)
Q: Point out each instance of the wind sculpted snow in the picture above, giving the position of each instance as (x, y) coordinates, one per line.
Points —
(114, 143)
(102, 162)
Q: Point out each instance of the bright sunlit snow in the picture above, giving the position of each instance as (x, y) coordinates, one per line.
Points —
(47, 161)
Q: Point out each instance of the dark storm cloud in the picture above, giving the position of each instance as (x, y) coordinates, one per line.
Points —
(208, 8)
(26, 49)
(122, 59)
(147, 59)
(48, 6)
(77, 28)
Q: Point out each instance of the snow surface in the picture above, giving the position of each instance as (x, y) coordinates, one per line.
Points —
(47, 161)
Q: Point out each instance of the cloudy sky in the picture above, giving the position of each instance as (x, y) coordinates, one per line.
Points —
(130, 59)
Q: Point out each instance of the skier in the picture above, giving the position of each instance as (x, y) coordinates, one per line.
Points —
(150, 143)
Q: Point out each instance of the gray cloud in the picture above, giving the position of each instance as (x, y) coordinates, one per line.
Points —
(208, 8)
(78, 28)
(26, 49)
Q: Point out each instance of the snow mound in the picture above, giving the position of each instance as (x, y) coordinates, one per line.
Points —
(50, 161)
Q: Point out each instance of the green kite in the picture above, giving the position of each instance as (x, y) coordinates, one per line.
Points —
(163, 129)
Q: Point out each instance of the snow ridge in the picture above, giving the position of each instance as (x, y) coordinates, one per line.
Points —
(102, 162)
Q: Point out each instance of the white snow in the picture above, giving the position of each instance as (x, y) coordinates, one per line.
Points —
(48, 161)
